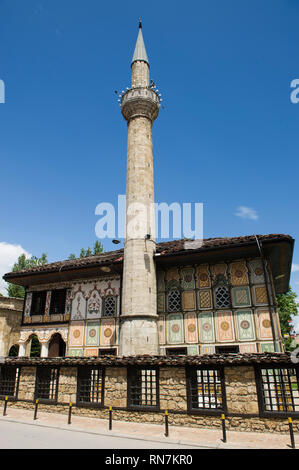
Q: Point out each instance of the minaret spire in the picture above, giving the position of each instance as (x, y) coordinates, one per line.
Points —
(140, 52)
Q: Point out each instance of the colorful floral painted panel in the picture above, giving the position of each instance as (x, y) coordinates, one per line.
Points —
(48, 301)
(172, 274)
(224, 326)
(206, 327)
(94, 305)
(264, 322)
(189, 300)
(267, 347)
(175, 328)
(190, 322)
(205, 349)
(75, 352)
(107, 336)
(256, 272)
(205, 299)
(241, 297)
(203, 276)
(78, 306)
(28, 304)
(160, 281)
(92, 333)
(68, 302)
(245, 325)
(76, 333)
(218, 269)
(238, 273)
(247, 348)
(161, 329)
(90, 352)
(188, 278)
(260, 295)
(161, 302)
(192, 350)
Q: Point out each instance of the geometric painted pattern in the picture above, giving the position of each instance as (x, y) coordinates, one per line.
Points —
(260, 294)
(238, 273)
(188, 279)
(256, 271)
(205, 300)
(247, 348)
(203, 277)
(189, 300)
(241, 296)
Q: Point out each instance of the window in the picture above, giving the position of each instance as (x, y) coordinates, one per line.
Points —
(38, 303)
(227, 349)
(143, 387)
(57, 304)
(222, 294)
(46, 386)
(174, 300)
(9, 380)
(109, 306)
(107, 352)
(176, 351)
(205, 389)
(278, 389)
(90, 385)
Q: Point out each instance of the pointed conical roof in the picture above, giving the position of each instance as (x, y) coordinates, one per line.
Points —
(140, 52)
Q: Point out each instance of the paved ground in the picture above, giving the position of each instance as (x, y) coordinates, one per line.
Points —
(50, 430)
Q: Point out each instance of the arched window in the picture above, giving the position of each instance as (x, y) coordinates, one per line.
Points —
(35, 347)
(222, 293)
(174, 300)
(109, 306)
(56, 346)
(14, 350)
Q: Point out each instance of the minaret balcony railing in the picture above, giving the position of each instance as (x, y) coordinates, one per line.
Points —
(140, 101)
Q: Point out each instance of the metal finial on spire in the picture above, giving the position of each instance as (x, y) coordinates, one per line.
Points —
(140, 23)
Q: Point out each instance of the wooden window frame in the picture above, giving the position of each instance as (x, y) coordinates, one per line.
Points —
(133, 406)
(82, 403)
(37, 382)
(51, 302)
(190, 370)
(16, 381)
(260, 390)
(35, 293)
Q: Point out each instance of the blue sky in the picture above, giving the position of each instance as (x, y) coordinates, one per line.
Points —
(228, 136)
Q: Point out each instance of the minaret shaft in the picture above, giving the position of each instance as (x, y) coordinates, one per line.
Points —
(140, 106)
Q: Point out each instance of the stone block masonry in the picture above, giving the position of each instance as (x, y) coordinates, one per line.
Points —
(242, 406)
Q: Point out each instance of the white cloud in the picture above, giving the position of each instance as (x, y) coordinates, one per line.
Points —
(246, 213)
(295, 267)
(8, 256)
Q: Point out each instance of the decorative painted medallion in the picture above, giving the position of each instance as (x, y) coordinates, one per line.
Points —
(245, 325)
(203, 278)
(108, 336)
(76, 333)
(188, 279)
(238, 273)
(92, 333)
(206, 327)
(190, 322)
(265, 330)
(225, 328)
(175, 328)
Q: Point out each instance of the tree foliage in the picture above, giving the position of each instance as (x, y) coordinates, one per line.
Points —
(287, 308)
(97, 249)
(24, 263)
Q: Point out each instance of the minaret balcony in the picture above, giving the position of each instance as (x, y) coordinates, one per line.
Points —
(140, 102)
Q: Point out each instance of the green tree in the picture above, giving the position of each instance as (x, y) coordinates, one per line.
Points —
(97, 249)
(24, 263)
(287, 308)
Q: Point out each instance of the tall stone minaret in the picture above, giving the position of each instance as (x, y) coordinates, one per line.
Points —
(140, 107)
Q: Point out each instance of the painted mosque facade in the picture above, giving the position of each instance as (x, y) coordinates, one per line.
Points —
(202, 309)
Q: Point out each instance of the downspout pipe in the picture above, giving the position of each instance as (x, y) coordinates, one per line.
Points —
(260, 248)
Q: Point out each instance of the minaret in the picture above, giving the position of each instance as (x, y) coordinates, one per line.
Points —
(140, 107)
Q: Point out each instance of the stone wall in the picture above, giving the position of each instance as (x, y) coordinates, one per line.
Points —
(241, 396)
(10, 323)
